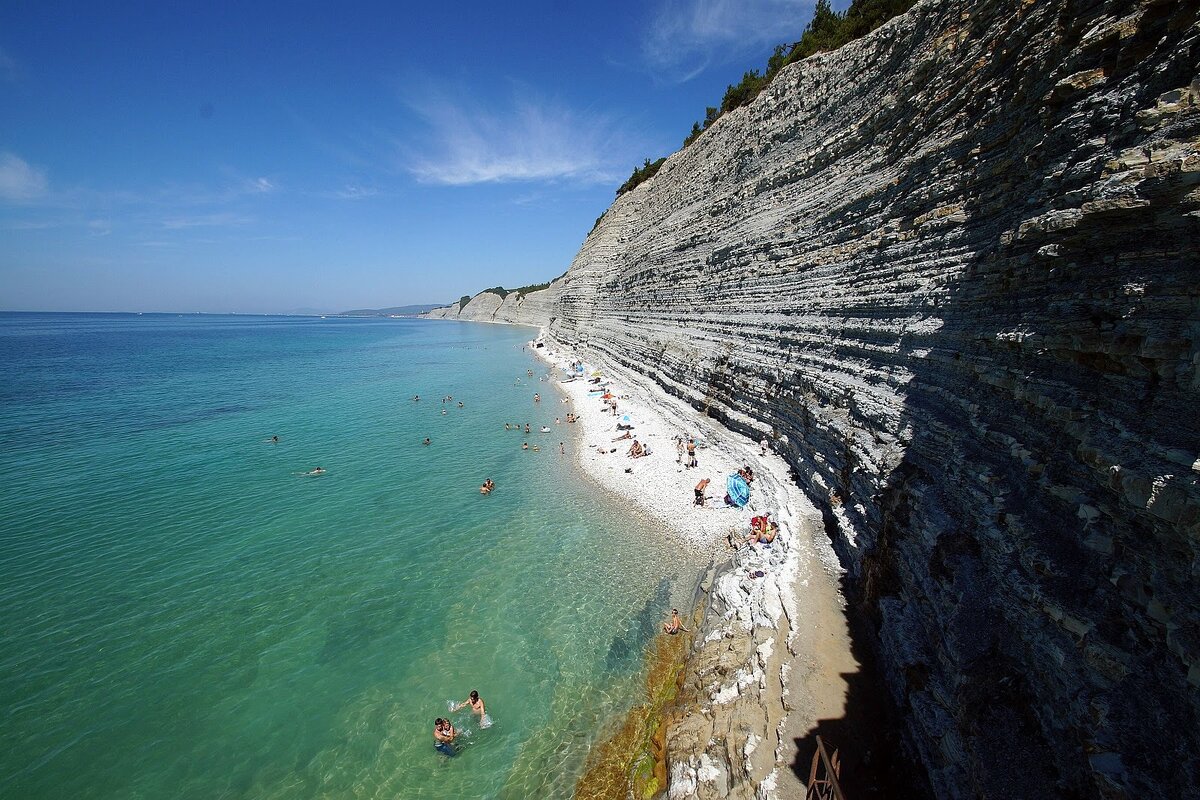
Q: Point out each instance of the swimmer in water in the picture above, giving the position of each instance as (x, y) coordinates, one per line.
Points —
(274, 440)
(487, 486)
(524, 445)
(460, 405)
(317, 471)
(443, 411)
(475, 702)
(416, 397)
(507, 427)
(426, 442)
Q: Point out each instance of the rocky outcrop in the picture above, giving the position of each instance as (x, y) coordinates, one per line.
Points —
(516, 308)
(953, 268)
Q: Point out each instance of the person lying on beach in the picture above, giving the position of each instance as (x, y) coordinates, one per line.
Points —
(475, 702)
(627, 435)
(762, 530)
(675, 625)
(443, 737)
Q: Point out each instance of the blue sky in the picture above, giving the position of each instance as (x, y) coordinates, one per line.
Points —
(256, 157)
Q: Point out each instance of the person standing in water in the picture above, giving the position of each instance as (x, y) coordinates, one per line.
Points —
(443, 737)
(475, 702)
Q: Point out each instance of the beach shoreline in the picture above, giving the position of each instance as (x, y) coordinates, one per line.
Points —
(771, 653)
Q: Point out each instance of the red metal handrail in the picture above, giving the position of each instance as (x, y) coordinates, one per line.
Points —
(823, 775)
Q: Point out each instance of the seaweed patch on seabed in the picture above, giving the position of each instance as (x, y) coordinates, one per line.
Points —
(632, 763)
(628, 645)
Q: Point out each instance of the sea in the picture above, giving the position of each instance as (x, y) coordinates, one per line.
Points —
(186, 612)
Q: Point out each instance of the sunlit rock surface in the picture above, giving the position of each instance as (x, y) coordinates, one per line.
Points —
(955, 267)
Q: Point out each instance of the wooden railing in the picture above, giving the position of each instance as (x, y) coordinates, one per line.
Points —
(824, 774)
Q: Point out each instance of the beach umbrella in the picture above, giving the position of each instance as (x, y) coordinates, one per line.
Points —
(738, 490)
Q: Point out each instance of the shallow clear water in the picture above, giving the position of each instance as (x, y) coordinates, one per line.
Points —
(186, 615)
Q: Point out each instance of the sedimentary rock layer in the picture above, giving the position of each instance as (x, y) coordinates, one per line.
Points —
(954, 268)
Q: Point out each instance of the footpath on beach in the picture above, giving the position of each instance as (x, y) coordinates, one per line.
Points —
(772, 650)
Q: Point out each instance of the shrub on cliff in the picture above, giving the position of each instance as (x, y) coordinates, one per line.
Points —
(533, 287)
(640, 174)
(828, 30)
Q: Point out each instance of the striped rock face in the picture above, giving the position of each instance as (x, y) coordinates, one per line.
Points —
(954, 267)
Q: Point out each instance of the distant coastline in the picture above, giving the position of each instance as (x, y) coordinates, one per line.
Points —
(394, 311)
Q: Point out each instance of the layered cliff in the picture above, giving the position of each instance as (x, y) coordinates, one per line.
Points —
(517, 308)
(954, 268)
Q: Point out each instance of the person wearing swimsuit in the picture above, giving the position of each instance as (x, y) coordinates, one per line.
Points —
(475, 702)
(443, 737)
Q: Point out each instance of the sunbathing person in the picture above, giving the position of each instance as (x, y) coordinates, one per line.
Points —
(762, 530)
(635, 450)
(627, 435)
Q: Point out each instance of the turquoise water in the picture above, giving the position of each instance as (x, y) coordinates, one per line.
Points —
(186, 615)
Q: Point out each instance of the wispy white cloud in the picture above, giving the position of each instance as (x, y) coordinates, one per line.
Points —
(355, 192)
(686, 36)
(20, 182)
(466, 142)
(217, 220)
(28, 225)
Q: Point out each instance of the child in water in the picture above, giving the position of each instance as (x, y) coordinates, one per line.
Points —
(443, 737)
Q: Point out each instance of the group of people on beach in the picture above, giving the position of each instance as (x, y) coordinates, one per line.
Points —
(687, 447)
(763, 530)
